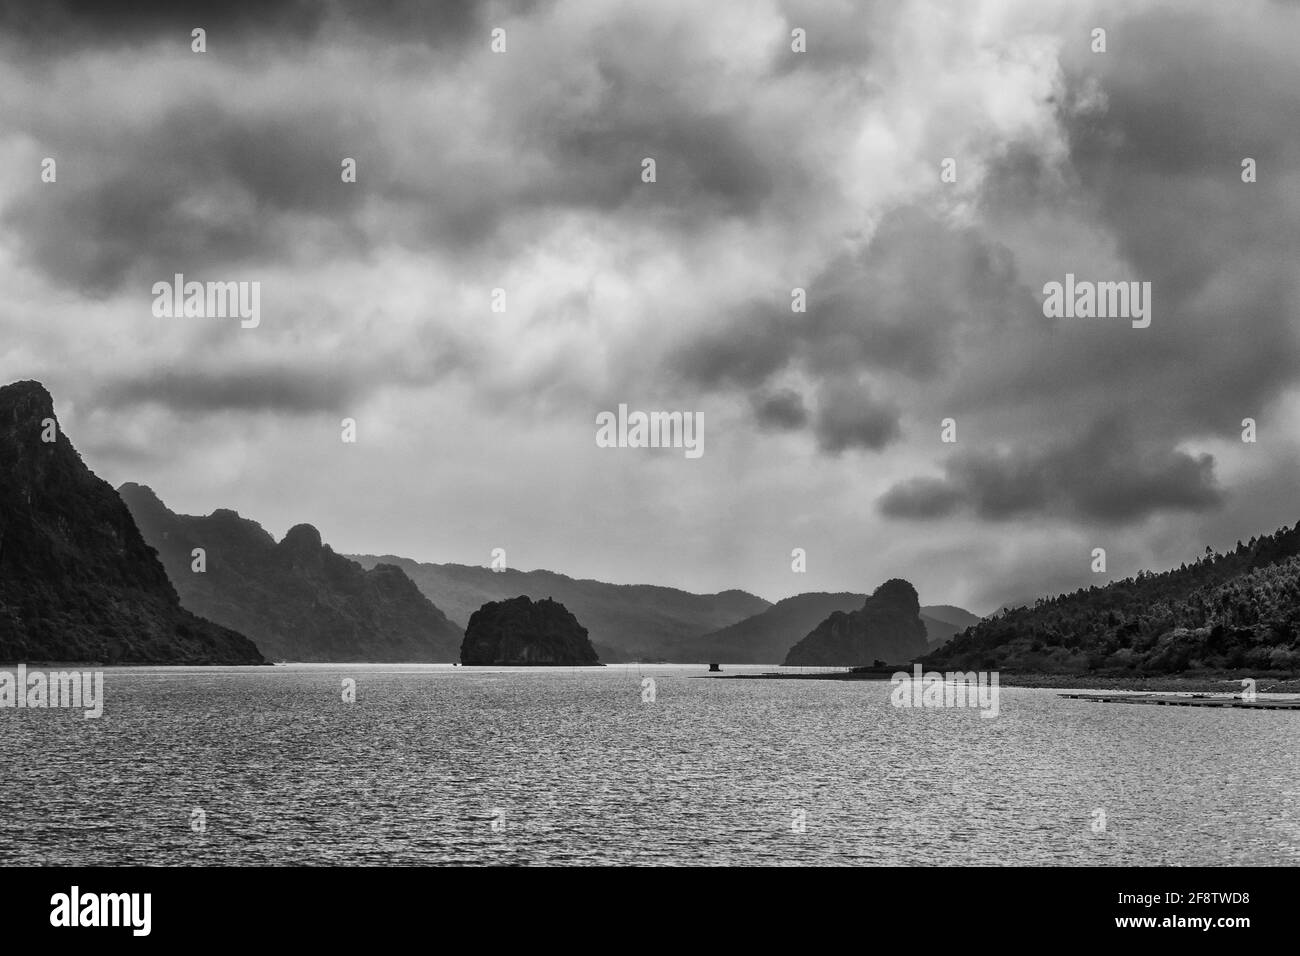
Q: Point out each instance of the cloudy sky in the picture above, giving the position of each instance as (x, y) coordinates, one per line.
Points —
(775, 169)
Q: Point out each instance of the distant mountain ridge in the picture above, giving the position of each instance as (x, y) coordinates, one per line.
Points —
(626, 622)
(944, 621)
(296, 599)
(766, 637)
(78, 583)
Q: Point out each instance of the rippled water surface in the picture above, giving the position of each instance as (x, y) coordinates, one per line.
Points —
(582, 770)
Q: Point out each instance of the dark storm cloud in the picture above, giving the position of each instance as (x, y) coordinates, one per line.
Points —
(901, 304)
(782, 410)
(708, 168)
(711, 160)
(75, 23)
(837, 39)
(205, 188)
(218, 376)
(921, 499)
(850, 416)
(69, 24)
(1189, 97)
(699, 158)
(1154, 163)
(282, 388)
(899, 307)
(1019, 181)
(1162, 162)
(1162, 165)
(218, 178)
(747, 351)
(1156, 130)
(1107, 476)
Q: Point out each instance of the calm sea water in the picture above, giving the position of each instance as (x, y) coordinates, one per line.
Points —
(574, 767)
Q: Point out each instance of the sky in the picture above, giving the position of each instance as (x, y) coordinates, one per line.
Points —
(774, 170)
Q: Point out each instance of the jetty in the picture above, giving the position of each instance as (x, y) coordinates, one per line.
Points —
(1193, 700)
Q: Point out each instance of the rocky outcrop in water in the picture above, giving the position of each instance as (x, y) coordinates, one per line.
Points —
(888, 627)
(522, 631)
(78, 583)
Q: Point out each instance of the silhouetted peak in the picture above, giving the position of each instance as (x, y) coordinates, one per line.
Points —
(294, 597)
(26, 403)
(897, 593)
(302, 537)
(25, 390)
(887, 627)
(137, 495)
(77, 581)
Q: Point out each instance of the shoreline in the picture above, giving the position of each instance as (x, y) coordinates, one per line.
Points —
(1264, 684)
(1218, 683)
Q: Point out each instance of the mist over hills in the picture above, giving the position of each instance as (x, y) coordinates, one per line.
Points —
(297, 599)
(626, 622)
(944, 621)
(87, 574)
(766, 637)
(78, 583)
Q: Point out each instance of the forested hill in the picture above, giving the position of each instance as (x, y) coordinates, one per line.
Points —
(1224, 611)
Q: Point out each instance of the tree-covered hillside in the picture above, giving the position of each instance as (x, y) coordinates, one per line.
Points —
(1239, 610)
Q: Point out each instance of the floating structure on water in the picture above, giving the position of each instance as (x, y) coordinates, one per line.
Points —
(1192, 700)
